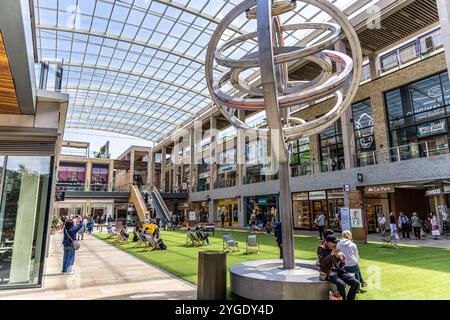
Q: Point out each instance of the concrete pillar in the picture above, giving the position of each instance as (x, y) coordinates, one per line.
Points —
(150, 169)
(348, 134)
(131, 177)
(240, 151)
(241, 212)
(191, 160)
(25, 222)
(111, 176)
(163, 169)
(212, 206)
(213, 151)
(87, 184)
(374, 63)
(444, 17)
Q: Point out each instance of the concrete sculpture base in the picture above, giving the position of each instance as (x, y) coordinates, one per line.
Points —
(267, 280)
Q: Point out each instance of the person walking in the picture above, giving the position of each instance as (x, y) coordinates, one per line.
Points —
(331, 265)
(70, 233)
(80, 234)
(350, 251)
(403, 221)
(90, 225)
(320, 221)
(235, 215)
(382, 225)
(415, 222)
(279, 238)
(393, 226)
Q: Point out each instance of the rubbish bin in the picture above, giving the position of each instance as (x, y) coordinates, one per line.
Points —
(212, 275)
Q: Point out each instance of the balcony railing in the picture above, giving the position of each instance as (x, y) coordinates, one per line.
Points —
(419, 48)
(70, 185)
(415, 150)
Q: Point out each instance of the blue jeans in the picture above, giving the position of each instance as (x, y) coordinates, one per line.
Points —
(356, 271)
(68, 258)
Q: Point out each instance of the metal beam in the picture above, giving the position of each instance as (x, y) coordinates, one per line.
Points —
(104, 68)
(131, 96)
(114, 130)
(119, 38)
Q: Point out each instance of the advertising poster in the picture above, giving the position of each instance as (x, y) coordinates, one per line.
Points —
(356, 218)
(345, 219)
(191, 215)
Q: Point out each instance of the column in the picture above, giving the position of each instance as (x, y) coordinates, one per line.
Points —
(348, 136)
(131, 176)
(87, 184)
(192, 181)
(24, 232)
(213, 150)
(150, 169)
(374, 64)
(111, 176)
(240, 151)
(212, 207)
(444, 17)
(163, 169)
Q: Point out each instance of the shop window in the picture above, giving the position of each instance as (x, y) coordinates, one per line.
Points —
(99, 177)
(24, 207)
(71, 177)
(332, 148)
(301, 157)
(364, 133)
(418, 115)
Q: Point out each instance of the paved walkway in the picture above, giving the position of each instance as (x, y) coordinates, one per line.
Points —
(103, 272)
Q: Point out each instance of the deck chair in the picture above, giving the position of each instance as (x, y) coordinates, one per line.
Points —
(229, 245)
(252, 245)
(141, 242)
(391, 240)
(152, 243)
(120, 239)
(192, 239)
(111, 233)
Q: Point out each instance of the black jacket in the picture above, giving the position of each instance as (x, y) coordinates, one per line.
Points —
(329, 260)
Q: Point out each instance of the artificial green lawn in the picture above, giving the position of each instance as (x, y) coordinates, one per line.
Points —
(410, 272)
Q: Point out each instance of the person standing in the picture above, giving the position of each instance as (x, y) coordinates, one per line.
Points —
(404, 223)
(434, 226)
(350, 251)
(222, 219)
(279, 238)
(415, 222)
(320, 221)
(235, 215)
(331, 265)
(70, 234)
(382, 225)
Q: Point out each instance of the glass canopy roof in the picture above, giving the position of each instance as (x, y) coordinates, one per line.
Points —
(136, 67)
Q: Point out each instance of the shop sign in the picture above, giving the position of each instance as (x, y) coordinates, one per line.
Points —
(433, 192)
(335, 194)
(346, 188)
(379, 189)
(184, 185)
(203, 175)
(227, 168)
(345, 219)
(301, 196)
(317, 195)
(431, 129)
(446, 189)
(191, 215)
(262, 201)
(356, 218)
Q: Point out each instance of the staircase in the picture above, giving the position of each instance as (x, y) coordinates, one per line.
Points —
(160, 206)
(139, 203)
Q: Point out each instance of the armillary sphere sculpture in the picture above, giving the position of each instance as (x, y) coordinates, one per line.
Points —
(276, 93)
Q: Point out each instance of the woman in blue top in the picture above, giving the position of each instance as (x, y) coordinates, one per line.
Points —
(70, 234)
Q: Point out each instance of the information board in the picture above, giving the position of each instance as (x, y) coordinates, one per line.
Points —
(356, 218)
(345, 219)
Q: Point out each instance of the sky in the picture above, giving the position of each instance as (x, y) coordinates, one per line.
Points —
(118, 143)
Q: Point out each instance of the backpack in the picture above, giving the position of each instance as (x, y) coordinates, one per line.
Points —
(162, 245)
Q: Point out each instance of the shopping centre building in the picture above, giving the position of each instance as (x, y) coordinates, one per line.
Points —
(137, 68)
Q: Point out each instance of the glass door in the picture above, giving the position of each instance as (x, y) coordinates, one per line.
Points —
(25, 197)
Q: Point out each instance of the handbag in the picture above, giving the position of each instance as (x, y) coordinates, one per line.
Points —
(75, 244)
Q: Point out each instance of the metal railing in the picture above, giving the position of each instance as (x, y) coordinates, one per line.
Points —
(414, 150)
(70, 185)
(419, 48)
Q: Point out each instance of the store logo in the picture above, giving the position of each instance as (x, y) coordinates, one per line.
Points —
(365, 140)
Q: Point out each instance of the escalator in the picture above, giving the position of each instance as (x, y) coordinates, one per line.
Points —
(160, 207)
(139, 203)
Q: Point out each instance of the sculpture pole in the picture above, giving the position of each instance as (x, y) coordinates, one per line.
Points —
(270, 93)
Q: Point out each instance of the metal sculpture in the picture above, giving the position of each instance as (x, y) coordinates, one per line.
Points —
(276, 93)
